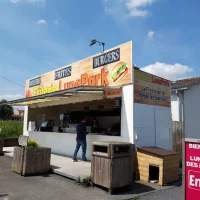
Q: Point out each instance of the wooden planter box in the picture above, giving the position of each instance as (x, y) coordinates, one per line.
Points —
(166, 162)
(11, 142)
(34, 161)
(1, 146)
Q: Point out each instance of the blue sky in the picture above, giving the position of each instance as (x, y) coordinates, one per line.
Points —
(37, 36)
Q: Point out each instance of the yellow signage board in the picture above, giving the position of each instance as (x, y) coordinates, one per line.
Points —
(150, 89)
(111, 68)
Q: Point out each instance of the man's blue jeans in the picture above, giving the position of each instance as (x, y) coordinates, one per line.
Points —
(83, 144)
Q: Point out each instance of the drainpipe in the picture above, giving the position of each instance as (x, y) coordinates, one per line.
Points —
(179, 106)
(183, 114)
(181, 91)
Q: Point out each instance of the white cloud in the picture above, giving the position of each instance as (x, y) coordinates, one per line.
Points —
(10, 97)
(107, 9)
(40, 2)
(138, 13)
(56, 22)
(14, 1)
(36, 1)
(28, 1)
(42, 21)
(168, 71)
(150, 34)
(135, 7)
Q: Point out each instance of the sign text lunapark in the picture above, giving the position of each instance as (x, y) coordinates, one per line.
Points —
(100, 79)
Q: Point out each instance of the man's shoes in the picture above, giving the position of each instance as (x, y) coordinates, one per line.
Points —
(75, 160)
(85, 160)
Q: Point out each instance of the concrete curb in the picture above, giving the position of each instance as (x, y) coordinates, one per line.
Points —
(55, 171)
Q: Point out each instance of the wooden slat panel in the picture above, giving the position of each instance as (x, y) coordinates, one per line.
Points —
(171, 159)
(36, 161)
(120, 176)
(1, 145)
(10, 142)
(112, 173)
(17, 160)
(177, 136)
(29, 162)
(100, 171)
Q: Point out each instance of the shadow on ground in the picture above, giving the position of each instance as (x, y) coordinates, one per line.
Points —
(140, 188)
(3, 195)
(137, 188)
(41, 175)
(176, 184)
(54, 167)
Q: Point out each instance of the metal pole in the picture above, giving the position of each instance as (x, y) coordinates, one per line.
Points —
(103, 44)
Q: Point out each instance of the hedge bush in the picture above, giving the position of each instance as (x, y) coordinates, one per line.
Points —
(32, 144)
(11, 128)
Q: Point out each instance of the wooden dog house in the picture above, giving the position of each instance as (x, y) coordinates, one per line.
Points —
(157, 164)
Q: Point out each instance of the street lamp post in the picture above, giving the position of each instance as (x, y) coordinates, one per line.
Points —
(95, 41)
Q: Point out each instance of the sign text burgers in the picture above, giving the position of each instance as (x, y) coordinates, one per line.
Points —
(106, 58)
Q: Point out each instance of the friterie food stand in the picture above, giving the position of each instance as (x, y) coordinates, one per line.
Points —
(127, 103)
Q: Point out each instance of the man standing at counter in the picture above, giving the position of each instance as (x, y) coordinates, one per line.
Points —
(81, 140)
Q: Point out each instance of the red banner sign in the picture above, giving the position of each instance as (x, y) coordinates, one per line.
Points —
(192, 171)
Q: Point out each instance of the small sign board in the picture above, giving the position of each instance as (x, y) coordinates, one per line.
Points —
(191, 173)
(23, 140)
(113, 93)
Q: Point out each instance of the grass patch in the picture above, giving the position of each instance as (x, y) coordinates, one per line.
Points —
(11, 128)
(85, 181)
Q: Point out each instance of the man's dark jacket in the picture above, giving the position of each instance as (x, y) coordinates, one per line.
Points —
(81, 131)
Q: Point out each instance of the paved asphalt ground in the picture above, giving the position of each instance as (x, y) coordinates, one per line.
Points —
(47, 187)
(171, 194)
(54, 187)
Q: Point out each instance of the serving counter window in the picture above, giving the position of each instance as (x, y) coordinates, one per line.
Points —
(103, 117)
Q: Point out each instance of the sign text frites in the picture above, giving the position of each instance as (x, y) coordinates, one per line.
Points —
(112, 68)
(62, 73)
(150, 89)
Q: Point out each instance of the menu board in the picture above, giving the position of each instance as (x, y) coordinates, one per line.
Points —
(150, 89)
(192, 171)
(111, 68)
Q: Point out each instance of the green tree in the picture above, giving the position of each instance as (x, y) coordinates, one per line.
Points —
(6, 111)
